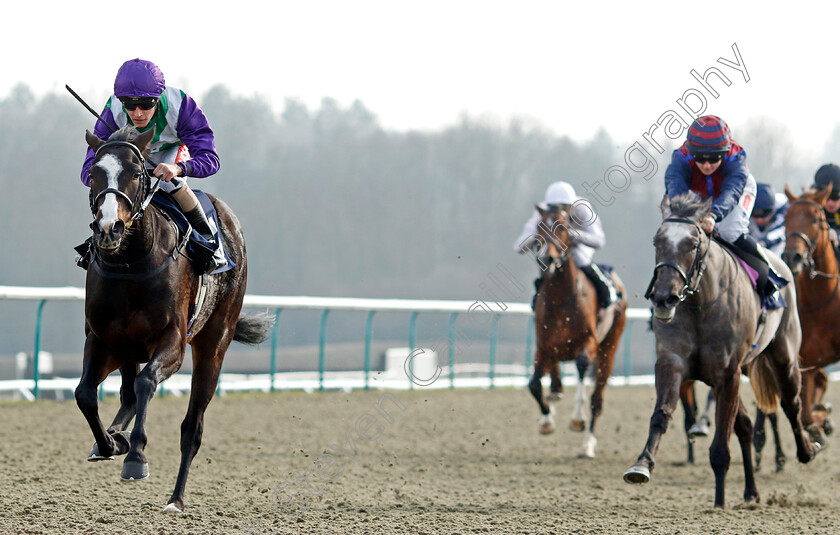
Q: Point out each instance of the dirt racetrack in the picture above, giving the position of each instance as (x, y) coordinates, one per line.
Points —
(453, 462)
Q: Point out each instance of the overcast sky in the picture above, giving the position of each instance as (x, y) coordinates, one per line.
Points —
(571, 66)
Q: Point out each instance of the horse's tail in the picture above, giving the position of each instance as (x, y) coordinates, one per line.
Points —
(764, 384)
(253, 329)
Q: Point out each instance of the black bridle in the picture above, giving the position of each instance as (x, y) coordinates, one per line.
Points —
(144, 193)
(808, 259)
(698, 266)
(562, 249)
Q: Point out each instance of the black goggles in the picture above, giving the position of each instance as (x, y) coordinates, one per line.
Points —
(761, 213)
(708, 158)
(143, 103)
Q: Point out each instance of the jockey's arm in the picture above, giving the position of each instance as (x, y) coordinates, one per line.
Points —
(194, 131)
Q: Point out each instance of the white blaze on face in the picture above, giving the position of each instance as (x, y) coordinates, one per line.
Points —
(110, 205)
(676, 232)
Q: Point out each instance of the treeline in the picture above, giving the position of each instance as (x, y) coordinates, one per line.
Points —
(335, 205)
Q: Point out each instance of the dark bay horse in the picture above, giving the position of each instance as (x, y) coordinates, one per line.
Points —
(140, 289)
(707, 328)
(811, 257)
(568, 328)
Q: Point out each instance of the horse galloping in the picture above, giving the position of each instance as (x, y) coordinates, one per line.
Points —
(567, 325)
(810, 255)
(707, 328)
(140, 291)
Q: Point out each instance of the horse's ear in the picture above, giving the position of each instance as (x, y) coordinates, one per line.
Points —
(143, 141)
(822, 195)
(93, 141)
(665, 206)
(540, 210)
(791, 197)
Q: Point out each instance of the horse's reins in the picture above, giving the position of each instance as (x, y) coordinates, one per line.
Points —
(699, 264)
(812, 246)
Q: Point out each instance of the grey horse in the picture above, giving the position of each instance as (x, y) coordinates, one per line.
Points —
(709, 325)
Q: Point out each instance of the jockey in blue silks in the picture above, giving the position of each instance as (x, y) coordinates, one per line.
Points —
(767, 222)
(711, 164)
(183, 146)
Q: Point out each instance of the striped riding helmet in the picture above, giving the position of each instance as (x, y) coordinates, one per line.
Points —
(708, 134)
(139, 78)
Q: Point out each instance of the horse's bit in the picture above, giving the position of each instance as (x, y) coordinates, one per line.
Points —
(699, 265)
(141, 200)
(812, 246)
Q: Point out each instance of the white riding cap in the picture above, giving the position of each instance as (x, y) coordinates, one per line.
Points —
(559, 193)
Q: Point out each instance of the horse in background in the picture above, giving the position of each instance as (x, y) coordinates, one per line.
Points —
(566, 318)
(143, 305)
(811, 257)
(706, 324)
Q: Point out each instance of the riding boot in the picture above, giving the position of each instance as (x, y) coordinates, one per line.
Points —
(209, 257)
(769, 281)
(604, 288)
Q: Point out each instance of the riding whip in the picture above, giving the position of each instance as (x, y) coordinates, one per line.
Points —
(90, 109)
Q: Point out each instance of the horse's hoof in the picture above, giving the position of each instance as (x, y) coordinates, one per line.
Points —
(698, 430)
(95, 456)
(134, 471)
(172, 509)
(554, 396)
(547, 428)
(828, 426)
(780, 464)
(637, 475)
(577, 425)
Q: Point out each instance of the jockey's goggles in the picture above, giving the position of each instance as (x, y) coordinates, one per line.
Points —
(132, 103)
(761, 213)
(708, 158)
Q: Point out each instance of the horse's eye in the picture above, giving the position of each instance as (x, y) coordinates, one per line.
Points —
(138, 174)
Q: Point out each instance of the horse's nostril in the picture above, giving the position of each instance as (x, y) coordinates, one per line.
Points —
(117, 228)
(672, 301)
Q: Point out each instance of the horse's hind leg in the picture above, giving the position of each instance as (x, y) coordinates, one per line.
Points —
(578, 421)
(780, 455)
(207, 363)
(689, 405)
(701, 428)
(535, 385)
(759, 437)
(128, 398)
(98, 363)
(743, 430)
(556, 392)
(669, 377)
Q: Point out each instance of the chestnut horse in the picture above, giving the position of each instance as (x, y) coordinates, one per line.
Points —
(706, 324)
(139, 293)
(568, 328)
(810, 255)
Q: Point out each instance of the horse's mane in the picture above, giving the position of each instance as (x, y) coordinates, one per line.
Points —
(127, 133)
(688, 205)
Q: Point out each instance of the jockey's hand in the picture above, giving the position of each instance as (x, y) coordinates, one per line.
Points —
(708, 224)
(166, 171)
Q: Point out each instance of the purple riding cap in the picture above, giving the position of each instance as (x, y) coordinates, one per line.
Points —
(139, 78)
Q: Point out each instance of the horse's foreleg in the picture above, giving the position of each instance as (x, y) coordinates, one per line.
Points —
(689, 405)
(743, 430)
(207, 363)
(727, 402)
(759, 437)
(820, 410)
(669, 377)
(128, 398)
(535, 385)
(98, 363)
(807, 391)
(160, 367)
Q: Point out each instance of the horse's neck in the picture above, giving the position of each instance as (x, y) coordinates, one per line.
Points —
(824, 257)
(719, 274)
(825, 261)
(562, 279)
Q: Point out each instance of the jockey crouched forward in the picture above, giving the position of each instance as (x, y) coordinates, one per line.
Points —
(183, 146)
(767, 221)
(585, 238)
(711, 164)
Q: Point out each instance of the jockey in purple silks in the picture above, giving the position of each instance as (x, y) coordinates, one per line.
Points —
(183, 146)
(711, 164)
